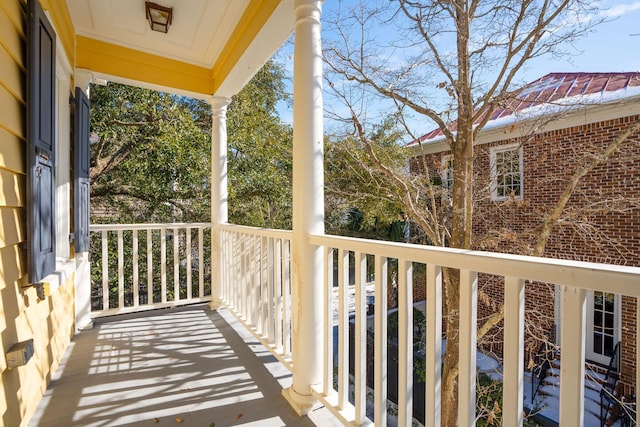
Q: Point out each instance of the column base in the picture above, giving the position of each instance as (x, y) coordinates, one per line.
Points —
(215, 304)
(301, 404)
(86, 326)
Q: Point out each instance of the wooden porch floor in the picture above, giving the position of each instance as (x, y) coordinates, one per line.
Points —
(184, 366)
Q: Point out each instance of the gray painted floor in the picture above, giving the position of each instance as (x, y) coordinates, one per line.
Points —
(188, 366)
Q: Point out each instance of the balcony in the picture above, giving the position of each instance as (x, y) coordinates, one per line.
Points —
(191, 363)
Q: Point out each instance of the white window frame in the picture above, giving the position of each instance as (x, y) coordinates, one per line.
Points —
(446, 171)
(494, 171)
(617, 327)
(63, 157)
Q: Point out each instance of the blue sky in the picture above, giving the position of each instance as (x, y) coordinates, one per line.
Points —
(612, 46)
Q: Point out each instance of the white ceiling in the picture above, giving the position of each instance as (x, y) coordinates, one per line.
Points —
(198, 33)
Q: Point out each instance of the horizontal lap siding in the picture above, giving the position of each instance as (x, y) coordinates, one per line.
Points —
(12, 199)
(12, 139)
(50, 323)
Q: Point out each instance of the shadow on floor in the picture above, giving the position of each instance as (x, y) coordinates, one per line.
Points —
(187, 365)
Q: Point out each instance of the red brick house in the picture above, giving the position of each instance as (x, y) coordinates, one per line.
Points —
(523, 160)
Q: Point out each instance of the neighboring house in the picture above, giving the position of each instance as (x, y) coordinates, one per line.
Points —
(523, 159)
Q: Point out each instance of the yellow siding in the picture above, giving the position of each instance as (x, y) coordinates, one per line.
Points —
(12, 154)
(50, 323)
(11, 37)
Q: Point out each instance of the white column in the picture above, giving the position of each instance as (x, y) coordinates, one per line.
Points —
(83, 267)
(219, 192)
(308, 207)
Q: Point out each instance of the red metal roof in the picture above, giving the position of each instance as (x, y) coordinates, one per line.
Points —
(554, 88)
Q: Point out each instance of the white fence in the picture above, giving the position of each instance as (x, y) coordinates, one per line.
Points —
(256, 286)
(573, 279)
(256, 283)
(140, 266)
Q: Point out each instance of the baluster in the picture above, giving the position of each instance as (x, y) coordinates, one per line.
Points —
(187, 249)
(105, 271)
(120, 270)
(468, 348)
(328, 324)
(343, 328)
(434, 346)
(380, 342)
(136, 272)
(176, 264)
(573, 312)
(405, 342)
(163, 264)
(514, 358)
(360, 338)
(149, 266)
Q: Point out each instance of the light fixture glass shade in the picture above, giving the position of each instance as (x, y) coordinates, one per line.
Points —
(159, 17)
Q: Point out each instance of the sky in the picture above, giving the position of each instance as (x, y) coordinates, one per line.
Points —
(613, 46)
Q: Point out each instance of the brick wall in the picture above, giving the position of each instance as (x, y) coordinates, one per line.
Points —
(591, 230)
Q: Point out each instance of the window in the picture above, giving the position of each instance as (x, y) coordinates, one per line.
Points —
(506, 172)
(446, 171)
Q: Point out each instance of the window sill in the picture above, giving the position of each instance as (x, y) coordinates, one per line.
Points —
(64, 270)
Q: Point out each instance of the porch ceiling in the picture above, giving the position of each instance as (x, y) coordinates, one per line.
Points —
(212, 47)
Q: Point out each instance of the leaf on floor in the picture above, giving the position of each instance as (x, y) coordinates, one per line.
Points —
(179, 420)
(155, 420)
(239, 416)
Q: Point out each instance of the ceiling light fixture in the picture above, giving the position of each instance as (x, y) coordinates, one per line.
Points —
(159, 17)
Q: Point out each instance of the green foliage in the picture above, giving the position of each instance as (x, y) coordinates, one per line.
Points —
(151, 154)
(151, 162)
(360, 199)
(150, 157)
(260, 153)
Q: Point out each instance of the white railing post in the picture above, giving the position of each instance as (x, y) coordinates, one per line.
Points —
(219, 192)
(308, 207)
(136, 271)
(405, 342)
(105, 270)
(380, 342)
(514, 358)
(360, 337)
(433, 360)
(149, 266)
(120, 269)
(574, 301)
(468, 348)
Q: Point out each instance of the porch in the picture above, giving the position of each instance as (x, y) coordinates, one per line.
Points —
(256, 285)
(184, 364)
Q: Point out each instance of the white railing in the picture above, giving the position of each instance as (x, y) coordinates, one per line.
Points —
(573, 278)
(256, 287)
(144, 266)
(256, 283)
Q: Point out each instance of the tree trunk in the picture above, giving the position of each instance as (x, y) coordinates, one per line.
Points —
(461, 220)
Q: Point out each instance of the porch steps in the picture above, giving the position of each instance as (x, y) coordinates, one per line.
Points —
(593, 380)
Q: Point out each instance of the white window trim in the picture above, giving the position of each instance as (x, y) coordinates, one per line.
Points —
(444, 168)
(494, 172)
(63, 156)
(617, 328)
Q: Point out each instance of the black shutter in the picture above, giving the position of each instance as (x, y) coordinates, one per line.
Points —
(41, 142)
(81, 172)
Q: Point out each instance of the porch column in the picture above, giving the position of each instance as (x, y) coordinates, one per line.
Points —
(308, 207)
(82, 80)
(219, 192)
